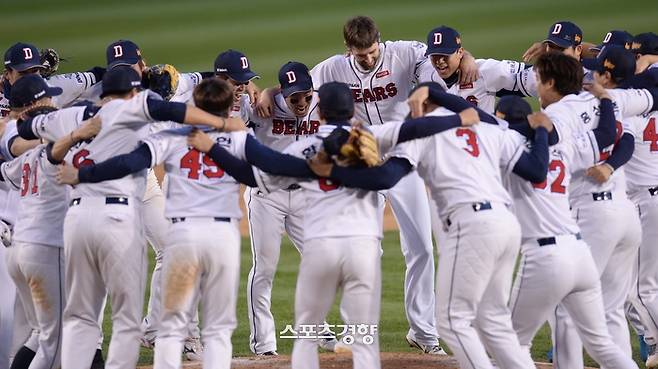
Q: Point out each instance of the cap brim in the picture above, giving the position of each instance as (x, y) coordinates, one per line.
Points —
(441, 51)
(243, 77)
(559, 42)
(25, 66)
(54, 91)
(117, 63)
(597, 48)
(591, 64)
(294, 89)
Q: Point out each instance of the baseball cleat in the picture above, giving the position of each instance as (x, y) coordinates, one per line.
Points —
(652, 360)
(644, 348)
(268, 353)
(427, 349)
(193, 349)
(98, 362)
(328, 344)
(147, 343)
(341, 348)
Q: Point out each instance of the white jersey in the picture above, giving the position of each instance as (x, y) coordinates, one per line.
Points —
(43, 202)
(494, 75)
(184, 94)
(8, 198)
(59, 123)
(7, 137)
(575, 114)
(543, 208)
(333, 210)
(463, 165)
(283, 127)
(379, 94)
(196, 185)
(124, 124)
(242, 109)
(642, 169)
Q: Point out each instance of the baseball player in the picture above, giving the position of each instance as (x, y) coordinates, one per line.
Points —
(329, 257)
(614, 37)
(592, 203)
(445, 51)
(563, 37)
(233, 67)
(38, 264)
(381, 75)
(125, 122)
(293, 118)
(203, 257)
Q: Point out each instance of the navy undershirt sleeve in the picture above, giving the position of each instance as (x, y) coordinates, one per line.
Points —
(236, 168)
(622, 152)
(427, 126)
(116, 167)
(606, 131)
(24, 128)
(274, 162)
(533, 165)
(161, 110)
(377, 178)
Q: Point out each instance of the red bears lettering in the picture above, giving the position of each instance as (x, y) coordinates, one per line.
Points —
(290, 127)
(376, 94)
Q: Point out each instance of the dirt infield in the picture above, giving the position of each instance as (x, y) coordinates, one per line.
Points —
(390, 360)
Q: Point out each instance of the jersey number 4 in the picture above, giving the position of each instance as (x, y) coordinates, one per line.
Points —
(649, 135)
(557, 186)
(471, 141)
(28, 175)
(194, 160)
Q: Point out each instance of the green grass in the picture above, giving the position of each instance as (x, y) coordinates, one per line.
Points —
(190, 34)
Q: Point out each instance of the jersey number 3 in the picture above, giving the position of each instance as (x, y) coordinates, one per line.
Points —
(193, 161)
(557, 186)
(471, 141)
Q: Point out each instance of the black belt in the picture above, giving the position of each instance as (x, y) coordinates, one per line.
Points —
(602, 196)
(551, 240)
(653, 191)
(108, 201)
(477, 206)
(293, 187)
(216, 219)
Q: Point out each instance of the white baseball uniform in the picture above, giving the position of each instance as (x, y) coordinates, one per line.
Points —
(483, 239)
(203, 254)
(642, 187)
(379, 97)
(104, 242)
(342, 230)
(557, 266)
(38, 242)
(269, 215)
(607, 219)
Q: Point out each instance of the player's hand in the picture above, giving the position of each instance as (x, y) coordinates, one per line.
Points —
(533, 52)
(417, 101)
(231, 125)
(539, 119)
(200, 140)
(321, 164)
(67, 174)
(469, 117)
(597, 90)
(88, 129)
(468, 69)
(265, 103)
(254, 93)
(600, 173)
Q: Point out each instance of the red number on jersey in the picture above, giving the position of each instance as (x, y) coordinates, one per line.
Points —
(25, 181)
(619, 132)
(557, 186)
(327, 185)
(649, 134)
(80, 159)
(471, 141)
(191, 161)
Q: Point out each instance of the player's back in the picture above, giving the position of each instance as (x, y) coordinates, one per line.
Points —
(196, 185)
(642, 169)
(283, 127)
(380, 93)
(43, 202)
(124, 125)
(463, 165)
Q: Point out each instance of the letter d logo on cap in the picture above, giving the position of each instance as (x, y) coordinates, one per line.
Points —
(557, 29)
(438, 38)
(291, 76)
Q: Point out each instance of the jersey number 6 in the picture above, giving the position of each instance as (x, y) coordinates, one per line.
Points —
(191, 161)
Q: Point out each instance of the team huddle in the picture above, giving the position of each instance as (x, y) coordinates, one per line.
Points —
(445, 138)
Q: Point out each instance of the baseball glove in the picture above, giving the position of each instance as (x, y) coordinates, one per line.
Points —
(50, 60)
(163, 80)
(355, 147)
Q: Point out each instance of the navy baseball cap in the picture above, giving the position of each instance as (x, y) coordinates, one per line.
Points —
(336, 100)
(614, 59)
(236, 65)
(120, 79)
(294, 77)
(29, 89)
(22, 56)
(615, 37)
(564, 34)
(122, 52)
(443, 40)
(645, 44)
(513, 109)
